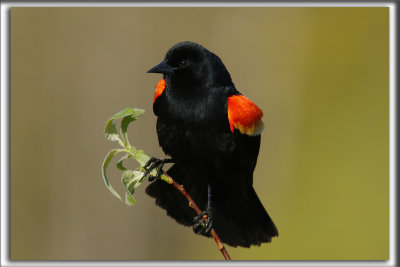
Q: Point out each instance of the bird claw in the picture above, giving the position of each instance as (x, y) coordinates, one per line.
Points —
(153, 163)
(199, 226)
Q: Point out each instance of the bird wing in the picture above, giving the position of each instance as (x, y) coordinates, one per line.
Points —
(159, 89)
(244, 115)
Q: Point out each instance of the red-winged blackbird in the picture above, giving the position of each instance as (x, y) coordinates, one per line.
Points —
(212, 133)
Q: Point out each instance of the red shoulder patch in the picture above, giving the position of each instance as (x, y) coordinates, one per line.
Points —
(159, 89)
(244, 115)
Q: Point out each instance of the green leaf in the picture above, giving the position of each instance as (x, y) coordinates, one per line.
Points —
(106, 162)
(133, 114)
(128, 115)
(124, 126)
(141, 157)
(120, 161)
(131, 180)
(129, 200)
(132, 151)
(111, 131)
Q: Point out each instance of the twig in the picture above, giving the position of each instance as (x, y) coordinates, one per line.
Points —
(193, 205)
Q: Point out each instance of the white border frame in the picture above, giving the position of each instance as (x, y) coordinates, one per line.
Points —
(5, 135)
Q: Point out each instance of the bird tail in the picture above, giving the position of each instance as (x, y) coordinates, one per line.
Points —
(239, 218)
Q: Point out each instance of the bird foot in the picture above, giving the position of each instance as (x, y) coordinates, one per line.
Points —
(199, 226)
(155, 163)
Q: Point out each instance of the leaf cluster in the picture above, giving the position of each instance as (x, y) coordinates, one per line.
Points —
(130, 179)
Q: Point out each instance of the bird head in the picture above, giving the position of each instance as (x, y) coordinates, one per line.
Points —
(190, 64)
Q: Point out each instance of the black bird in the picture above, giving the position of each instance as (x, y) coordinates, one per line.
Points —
(212, 134)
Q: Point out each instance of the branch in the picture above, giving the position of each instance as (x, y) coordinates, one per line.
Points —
(194, 206)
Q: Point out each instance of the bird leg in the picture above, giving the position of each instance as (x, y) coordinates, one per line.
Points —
(155, 163)
(199, 226)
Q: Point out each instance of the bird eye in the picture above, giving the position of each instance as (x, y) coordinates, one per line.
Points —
(183, 63)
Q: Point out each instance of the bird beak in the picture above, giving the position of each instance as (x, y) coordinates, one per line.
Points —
(162, 68)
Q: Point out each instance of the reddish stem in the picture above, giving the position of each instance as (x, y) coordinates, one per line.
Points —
(193, 205)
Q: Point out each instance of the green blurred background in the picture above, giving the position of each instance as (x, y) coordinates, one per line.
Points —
(319, 74)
